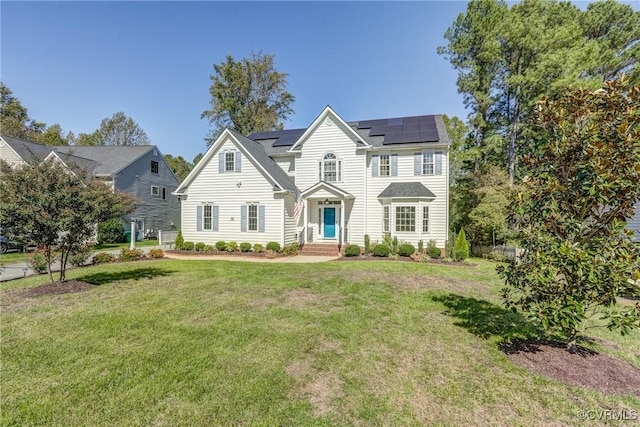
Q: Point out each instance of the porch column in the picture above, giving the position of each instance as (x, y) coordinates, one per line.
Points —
(304, 221)
(342, 215)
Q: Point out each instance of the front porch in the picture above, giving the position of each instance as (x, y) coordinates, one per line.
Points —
(325, 215)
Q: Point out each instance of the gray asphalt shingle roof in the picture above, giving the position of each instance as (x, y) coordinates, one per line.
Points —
(109, 159)
(406, 190)
(257, 151)
(31, 153)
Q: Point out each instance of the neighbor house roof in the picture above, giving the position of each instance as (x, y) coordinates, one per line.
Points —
(100, 160)
(109, 159)
(406, 190)
(31, 153)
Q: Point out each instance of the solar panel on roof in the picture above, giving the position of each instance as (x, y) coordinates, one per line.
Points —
(378, 131)
(411, 127)
(411, 136)
(395, 122)
(410, 120)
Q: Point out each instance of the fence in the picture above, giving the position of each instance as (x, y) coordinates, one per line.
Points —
(167, 237)
(510, 252)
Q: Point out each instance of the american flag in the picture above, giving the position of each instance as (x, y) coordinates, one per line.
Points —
(297, 209)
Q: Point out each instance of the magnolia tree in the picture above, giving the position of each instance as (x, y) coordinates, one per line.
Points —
(59, 208)
(571, 211)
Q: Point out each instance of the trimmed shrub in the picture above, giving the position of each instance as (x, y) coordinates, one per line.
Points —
(179, 240)
(156, 253)
(381, 250)
(406, 249)
(273, 246)
(367, 244)
(208, 248)
(188, 246)
(37, 261)
(290, 249)
(231, 246)
(81, 256)
(131, 254)
(103, 258)
(258, 248)
(245, 247)
(221, 245)
(200, 246)
(111, 231)
(432, 250)
(352, 250)
(394, 246)
(461, 249)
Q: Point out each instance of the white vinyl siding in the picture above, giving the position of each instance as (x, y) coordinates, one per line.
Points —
(228, 199)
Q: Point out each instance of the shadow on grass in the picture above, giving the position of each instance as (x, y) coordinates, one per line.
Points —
(487, 320)
(136, 274)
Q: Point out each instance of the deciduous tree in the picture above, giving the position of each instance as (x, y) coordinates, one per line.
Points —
(120, 130)
(58, 207)
(248, 95)
(582, 184)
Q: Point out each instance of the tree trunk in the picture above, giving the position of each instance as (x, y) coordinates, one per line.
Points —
(511, 159)
(47, 256)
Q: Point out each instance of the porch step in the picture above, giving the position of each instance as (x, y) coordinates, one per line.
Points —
(320, 249)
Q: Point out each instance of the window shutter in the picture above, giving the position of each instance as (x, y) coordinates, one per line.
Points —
(339, 172)
(320, 171)
(243, 218)
(221, 162)
(238, 161)
(261, 218)
(438, 162)
(417, 164)
(374, 165)
(394, 164)
(215, 215)
(199, 218)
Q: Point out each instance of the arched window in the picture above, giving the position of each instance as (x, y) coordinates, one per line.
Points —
(330, 168)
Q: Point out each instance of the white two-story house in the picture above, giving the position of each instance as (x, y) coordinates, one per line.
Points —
(333, 182)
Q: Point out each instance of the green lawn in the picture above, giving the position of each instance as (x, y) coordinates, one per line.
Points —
(229, 343)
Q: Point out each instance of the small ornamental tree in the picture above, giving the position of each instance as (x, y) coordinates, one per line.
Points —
(57, 207)
(584, 170)
(461, 249)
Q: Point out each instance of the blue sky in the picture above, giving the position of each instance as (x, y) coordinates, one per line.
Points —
(75, 63)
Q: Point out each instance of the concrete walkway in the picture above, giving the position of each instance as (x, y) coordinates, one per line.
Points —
(18, 270)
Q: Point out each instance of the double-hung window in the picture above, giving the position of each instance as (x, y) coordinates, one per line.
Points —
(405, 218)
(385, 165)
(207, 217)
(252, 218)
(155, 190)
(425, 219)
(385, 219)
(428, 163)
(155, 167)
(229, 161)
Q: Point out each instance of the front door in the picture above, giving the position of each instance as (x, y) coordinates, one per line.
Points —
(329, 224)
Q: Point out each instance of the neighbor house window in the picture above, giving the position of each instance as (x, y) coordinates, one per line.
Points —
(425, 219)
(252, 218)
(405, 218)
(155, 190)
(385, 219)
(155, 167)
(229, 161)
(329, 168)
(428, 163)
(164, 193)
(207, 217)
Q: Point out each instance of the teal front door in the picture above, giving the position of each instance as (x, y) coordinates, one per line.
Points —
(329, 223)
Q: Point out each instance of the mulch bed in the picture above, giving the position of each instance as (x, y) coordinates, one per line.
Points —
(57, 288)
(223, 253)
(584, 368)
(405, 259)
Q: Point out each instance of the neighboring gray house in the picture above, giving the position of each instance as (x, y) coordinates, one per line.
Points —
(139, 170)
